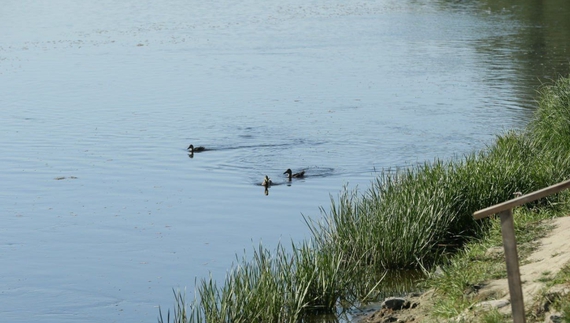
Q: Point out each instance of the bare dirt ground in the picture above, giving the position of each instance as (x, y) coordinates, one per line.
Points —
(544, 263)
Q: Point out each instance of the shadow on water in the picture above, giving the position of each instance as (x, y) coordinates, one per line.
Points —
(399, 283)
(529, 48)
(326, 318)
(396, 283)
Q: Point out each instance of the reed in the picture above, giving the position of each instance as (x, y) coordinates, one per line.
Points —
(282, 286)
(409, 218)
(179, 314)
(255, 290)
(549, 128)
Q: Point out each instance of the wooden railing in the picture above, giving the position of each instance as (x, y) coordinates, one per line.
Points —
(505, 211)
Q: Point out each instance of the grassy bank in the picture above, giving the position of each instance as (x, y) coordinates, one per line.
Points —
(457, 283)
(411, 218)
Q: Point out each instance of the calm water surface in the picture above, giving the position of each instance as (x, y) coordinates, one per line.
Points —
(104, 213)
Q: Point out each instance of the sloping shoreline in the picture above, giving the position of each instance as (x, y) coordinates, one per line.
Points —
(552, 254)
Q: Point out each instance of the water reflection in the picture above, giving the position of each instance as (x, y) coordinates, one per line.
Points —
(326, 318)
(394, 283)
(523, 45)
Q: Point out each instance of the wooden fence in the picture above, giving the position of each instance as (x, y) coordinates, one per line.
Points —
(505, 211)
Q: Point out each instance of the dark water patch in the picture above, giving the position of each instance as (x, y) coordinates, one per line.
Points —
(394, 284)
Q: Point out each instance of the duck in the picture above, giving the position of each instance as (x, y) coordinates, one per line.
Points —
(193, 149)
(291, 175)
(266, 181)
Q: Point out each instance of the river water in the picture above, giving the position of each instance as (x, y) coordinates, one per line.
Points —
(104, 212)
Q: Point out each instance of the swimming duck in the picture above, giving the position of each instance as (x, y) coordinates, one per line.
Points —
(266, 181)
(290, 174)
(193, 149)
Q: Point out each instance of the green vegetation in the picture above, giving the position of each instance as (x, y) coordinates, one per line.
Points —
(411, 218)
(560, 303)
(482, 259)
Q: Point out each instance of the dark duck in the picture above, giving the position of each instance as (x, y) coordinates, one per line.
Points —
(291, 175)
(193, 149)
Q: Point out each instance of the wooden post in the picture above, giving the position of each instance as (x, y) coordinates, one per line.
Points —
(505, 211)
(512, 259)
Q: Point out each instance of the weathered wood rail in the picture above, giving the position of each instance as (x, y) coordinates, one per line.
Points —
(505, 211)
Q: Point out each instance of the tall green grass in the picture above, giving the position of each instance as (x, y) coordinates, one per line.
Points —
(282, 286)
(407, 219)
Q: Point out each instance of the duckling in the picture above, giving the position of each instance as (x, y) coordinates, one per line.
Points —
(266, 181)
(193, 149)
(291, 175)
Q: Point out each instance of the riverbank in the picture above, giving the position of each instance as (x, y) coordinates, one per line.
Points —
(420, 217)
(545, 275)
(470, 285)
